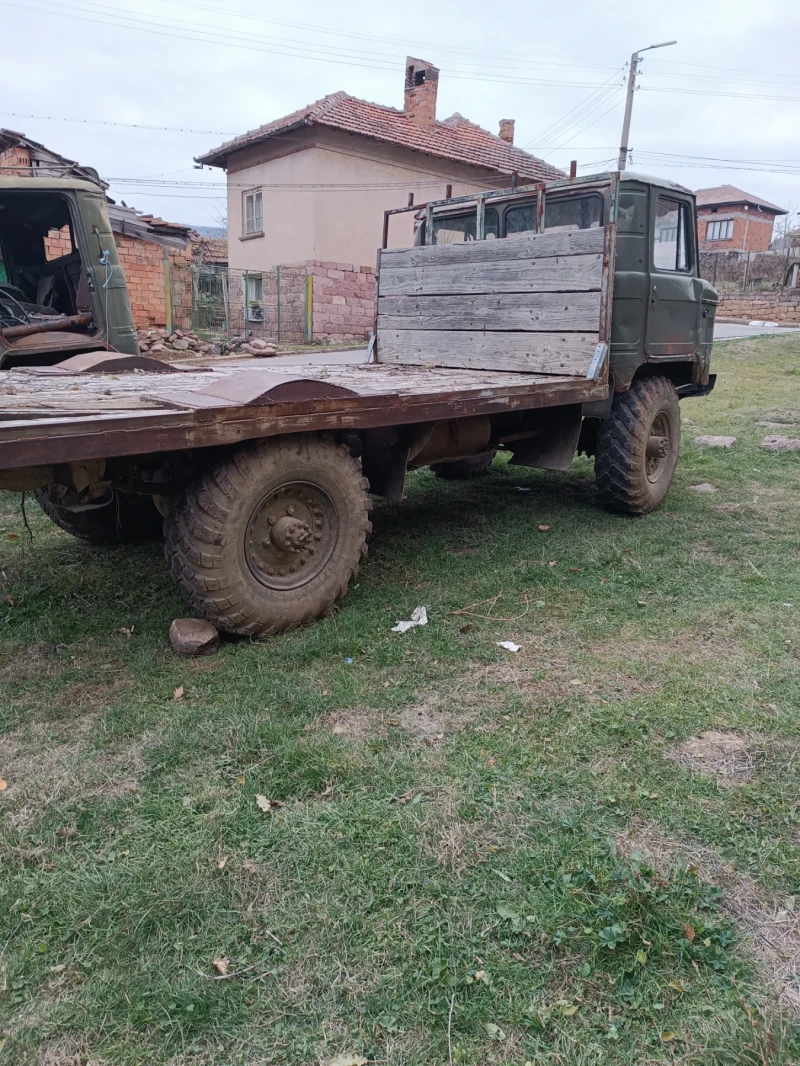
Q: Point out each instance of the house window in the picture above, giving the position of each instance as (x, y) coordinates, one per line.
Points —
(254, 296)
(720, 231)
(253, 215)
(670, 244)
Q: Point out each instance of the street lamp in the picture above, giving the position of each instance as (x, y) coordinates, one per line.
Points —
(626, 122)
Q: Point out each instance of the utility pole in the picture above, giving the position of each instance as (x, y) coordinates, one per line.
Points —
(626, 122)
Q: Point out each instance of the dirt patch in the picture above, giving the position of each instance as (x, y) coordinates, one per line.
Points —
(707, 553)
(38, 660)
(727, 756)
(727, 508)
(45, 767)
(69, 1051)
(422, 720)
(773, 931)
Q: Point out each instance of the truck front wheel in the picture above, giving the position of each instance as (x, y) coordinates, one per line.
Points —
(270, 538)
(127, 519)
(637, 446)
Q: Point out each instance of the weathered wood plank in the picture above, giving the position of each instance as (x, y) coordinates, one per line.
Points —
(524, 246)
(573, 273)
(548, 311)
(544, 353)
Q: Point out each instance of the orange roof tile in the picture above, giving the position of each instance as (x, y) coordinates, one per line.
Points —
(453, 138)
(729, 194)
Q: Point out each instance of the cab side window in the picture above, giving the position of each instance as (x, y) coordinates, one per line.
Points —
(573, 213)
(454, 229)
(670, 235)
(520, 219)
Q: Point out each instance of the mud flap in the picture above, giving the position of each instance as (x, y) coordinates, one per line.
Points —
(554, 448)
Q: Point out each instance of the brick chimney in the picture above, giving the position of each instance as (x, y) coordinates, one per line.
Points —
(422, 83)
(507, 130)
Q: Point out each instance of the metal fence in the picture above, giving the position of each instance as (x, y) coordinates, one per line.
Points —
(273, 304)
(751, 271)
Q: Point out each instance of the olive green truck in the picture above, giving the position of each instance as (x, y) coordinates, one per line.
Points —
(539, 321)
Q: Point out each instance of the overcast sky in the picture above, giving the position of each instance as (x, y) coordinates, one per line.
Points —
(729, 89)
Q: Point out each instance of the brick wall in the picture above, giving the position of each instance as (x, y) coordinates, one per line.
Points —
(143, 265)
(15, 157)
(769, 307)
(752, 230)
(344, 300)
(58, 242)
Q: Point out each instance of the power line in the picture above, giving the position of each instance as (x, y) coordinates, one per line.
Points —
(107, 122)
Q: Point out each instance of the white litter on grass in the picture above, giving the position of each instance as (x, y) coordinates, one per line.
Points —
(419, 617)
(508, 645)
(521, 488)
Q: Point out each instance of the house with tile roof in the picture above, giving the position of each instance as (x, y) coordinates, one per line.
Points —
(732, 220)
(312, 187)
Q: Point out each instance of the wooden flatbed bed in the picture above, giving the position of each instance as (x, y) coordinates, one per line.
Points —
(66, 417)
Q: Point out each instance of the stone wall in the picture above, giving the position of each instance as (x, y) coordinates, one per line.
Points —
(769, 307)
(343, 300)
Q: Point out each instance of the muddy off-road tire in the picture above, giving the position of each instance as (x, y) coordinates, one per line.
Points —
(128, 519)
(269, 538)
(463, 469)
(638, 445)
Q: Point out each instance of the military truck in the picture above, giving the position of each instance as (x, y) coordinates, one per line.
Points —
(537, 321)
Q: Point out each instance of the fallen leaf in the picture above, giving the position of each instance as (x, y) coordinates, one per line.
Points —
(240, 779)
(466, 628)
(10, 602)
(3, 784)
(689, 933)
(641, 957)
(574, 569)
(554, 562)
(125, 631)
(516, 955)
(222, 863)
(569, 1010)
(667, 1036)
(13, 536)
(480, 974)
(494, 1031)
(222, 964)
(326, 692)
(178, 693)
(604, 580)
(348, 1060)
(263, 803)
(544, 529)
(405, 797)
(327, 792)
(677, 986)
(58, 969)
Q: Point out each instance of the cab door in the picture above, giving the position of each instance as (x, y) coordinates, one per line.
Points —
(673, 314)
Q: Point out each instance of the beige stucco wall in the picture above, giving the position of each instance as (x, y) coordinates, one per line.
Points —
(330, 224)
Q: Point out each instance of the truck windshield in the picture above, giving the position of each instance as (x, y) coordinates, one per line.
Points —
(453, 229)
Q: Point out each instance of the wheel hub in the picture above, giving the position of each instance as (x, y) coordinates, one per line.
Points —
(291, 535)
(659, 445)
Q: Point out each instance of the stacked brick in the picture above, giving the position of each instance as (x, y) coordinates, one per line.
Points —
(58, 242)
(344, 300)
(143, 266)
(769, 307)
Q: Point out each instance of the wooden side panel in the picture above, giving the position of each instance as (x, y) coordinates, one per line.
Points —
(534, 303)
(535, 353)
(548, 311)
(523, 246)
(567, 273)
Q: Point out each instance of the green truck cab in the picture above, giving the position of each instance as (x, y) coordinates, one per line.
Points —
(59, 295)
(662, 310)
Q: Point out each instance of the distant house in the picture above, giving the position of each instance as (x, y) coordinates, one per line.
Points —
(311, 188)
(732, 220)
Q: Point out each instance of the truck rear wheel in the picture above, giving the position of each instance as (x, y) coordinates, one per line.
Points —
(127, 519)
(463, 469)
(270, 538)
(638, 445)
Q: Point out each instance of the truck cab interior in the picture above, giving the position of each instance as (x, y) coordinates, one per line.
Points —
(43, 282)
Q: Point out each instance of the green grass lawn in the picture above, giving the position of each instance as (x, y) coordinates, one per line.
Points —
(471, 856)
